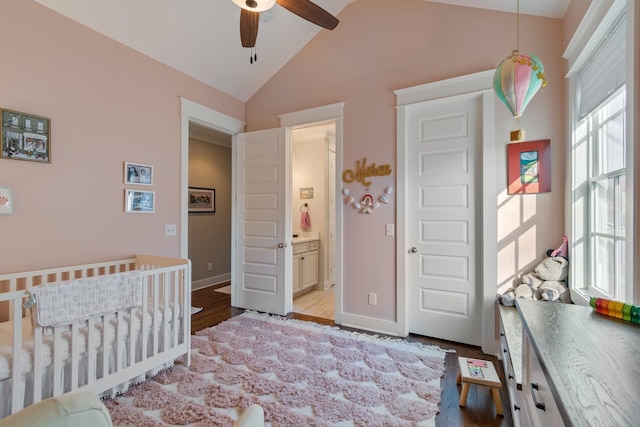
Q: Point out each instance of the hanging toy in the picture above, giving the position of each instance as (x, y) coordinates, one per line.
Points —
(367, 204)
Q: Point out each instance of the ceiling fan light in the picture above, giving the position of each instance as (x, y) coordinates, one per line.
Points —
(260, 5)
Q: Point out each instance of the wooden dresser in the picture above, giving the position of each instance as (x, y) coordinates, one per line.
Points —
(570, 366)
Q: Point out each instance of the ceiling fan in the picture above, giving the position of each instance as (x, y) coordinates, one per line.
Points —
(250, 16)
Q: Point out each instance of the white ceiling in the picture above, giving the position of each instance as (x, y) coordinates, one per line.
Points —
(201, 37)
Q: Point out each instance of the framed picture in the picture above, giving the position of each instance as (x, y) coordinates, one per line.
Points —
(136, 201)
(139, 174)
(529, 167)
(25, 137)
(6, 201)
(202, 199)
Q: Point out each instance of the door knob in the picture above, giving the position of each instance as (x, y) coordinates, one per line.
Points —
(413, 250)
(281, 245)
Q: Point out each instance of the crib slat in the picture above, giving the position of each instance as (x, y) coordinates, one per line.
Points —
(118, 341)
(75, 359)
(91, 358)
(154, 328)
(16, 403)
(37, 367)
(57, 362)
(132, 338)
(144, 317)
(105, 346)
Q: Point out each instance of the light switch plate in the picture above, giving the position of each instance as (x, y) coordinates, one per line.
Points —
(170, 230)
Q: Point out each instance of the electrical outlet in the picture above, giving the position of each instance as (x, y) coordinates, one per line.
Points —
(170, 230)
(389, 230)
(210, 266)
(373, 299)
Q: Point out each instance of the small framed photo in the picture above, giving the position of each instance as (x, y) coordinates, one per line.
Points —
(137, 173)
(6, 201)
(25, 137)
(136, 201)
(202, 199)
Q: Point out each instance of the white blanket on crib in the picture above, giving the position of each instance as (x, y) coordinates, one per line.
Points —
(68, 301)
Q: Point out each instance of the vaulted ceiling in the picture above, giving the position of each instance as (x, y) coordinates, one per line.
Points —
(201, 37)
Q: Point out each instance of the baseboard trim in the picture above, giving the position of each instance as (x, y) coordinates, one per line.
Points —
(369, 324)
(210, 281)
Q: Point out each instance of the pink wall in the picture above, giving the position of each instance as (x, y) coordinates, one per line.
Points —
(107, 104)
(575, 13)
(381, 46)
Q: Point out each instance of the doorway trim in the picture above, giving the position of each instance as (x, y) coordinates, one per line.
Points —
(313, 117)
(196, 113)
(481, 84)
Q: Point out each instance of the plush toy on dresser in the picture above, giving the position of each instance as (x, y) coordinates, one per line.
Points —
(546, 283)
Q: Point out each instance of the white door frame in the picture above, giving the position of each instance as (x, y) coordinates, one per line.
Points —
(482, 85)
(193, 112)
(313, 117)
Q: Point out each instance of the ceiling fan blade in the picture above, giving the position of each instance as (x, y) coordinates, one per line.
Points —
(310, 11)
(249, 27)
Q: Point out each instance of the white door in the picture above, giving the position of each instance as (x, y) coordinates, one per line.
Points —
(443, 165)
(263, 222)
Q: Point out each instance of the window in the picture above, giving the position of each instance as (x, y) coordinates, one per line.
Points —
(600, 242)
(605, 138)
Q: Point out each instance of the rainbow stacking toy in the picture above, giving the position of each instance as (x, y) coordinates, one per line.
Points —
(620, 310)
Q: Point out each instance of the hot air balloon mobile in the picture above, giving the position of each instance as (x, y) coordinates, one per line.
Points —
(516, 80)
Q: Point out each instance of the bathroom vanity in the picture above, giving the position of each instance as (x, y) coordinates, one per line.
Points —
(305, 263)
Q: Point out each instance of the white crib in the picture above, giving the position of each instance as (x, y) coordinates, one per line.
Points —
(103, 354)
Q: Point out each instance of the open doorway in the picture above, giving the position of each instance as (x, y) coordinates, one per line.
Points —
(313, 198)
(313, 204)
(198, 114)
(209, 238)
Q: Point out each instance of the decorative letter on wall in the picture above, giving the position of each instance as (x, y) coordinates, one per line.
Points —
(366, 203)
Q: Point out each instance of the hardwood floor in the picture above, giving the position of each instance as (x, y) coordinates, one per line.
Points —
(479, 410)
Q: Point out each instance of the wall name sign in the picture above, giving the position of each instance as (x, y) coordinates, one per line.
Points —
(364, 171)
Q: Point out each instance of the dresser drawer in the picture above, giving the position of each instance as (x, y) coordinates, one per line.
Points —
(313, 246)
(536, 393)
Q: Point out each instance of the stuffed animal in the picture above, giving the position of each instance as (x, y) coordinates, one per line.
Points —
(545, 283)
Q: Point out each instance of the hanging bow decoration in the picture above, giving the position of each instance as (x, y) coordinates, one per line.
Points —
(516, 80)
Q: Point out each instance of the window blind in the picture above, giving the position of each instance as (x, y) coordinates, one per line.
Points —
(605, 71)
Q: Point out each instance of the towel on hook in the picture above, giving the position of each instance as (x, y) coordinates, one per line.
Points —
(305, 221)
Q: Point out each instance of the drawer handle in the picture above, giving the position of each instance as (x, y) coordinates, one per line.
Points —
(516, 408)
(539, 405)
(510, 376)
(504, 350)
(501, 334)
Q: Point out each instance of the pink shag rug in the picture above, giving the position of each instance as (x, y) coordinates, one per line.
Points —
(302, 373)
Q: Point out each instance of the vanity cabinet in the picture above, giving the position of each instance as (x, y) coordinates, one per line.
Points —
(305, 265)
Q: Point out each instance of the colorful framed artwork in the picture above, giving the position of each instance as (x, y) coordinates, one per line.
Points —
(25, 137)
(529, 167)
(202, 199)
(136, 201)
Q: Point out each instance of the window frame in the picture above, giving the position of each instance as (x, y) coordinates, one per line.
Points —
(597, 21)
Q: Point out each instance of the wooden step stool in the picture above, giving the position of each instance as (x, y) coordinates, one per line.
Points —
(489, 378)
